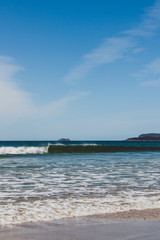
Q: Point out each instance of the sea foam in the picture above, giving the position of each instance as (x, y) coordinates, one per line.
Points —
(48, 210)
(23, 150)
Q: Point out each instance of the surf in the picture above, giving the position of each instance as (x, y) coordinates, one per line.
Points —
(23, 150)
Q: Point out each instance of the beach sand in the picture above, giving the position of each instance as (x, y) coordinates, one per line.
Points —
(131, 225)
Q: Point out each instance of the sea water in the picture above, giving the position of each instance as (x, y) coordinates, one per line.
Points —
(38, 186)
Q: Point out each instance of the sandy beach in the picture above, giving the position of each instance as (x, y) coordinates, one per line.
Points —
(121, 226)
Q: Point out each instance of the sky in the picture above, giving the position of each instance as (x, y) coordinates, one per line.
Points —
(85, 70)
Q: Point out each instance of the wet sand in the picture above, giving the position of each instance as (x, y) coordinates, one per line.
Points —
(129, 215)
(120, 226)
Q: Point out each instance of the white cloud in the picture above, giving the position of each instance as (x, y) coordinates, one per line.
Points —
(150, 22)
(16, 103)
(109, 51)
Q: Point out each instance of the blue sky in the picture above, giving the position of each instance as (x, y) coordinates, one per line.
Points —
(79, 69)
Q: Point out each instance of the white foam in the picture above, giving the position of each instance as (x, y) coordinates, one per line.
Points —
(47, 210)
(23, 150)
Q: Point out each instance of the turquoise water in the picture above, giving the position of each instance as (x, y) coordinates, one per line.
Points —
(37, 186)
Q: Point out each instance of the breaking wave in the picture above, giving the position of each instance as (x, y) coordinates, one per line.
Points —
(91, 148)
(73, 148)
(23, 150)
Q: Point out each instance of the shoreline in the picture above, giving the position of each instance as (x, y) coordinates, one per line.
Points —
(128, 215)
(133, 224)
(146, 214)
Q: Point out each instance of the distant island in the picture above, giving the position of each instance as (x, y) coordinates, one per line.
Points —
(63, 140)
(146, 137)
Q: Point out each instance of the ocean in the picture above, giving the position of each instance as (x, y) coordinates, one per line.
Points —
(38, 184)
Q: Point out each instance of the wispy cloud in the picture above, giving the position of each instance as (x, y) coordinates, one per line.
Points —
(16, 103)
(150, 74)
(113, 49)
(109, 51)
(150, 22)
(58, 106)
(153, 83)
(154, 66)
(137, 50)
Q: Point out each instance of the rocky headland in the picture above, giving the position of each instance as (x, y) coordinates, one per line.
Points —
(146, 137)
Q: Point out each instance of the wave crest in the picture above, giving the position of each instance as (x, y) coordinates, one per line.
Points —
(23, 150)
(93, 148)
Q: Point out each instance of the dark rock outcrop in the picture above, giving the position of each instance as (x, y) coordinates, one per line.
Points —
(146, 137)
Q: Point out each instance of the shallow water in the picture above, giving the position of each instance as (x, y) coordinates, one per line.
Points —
(41, 187)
